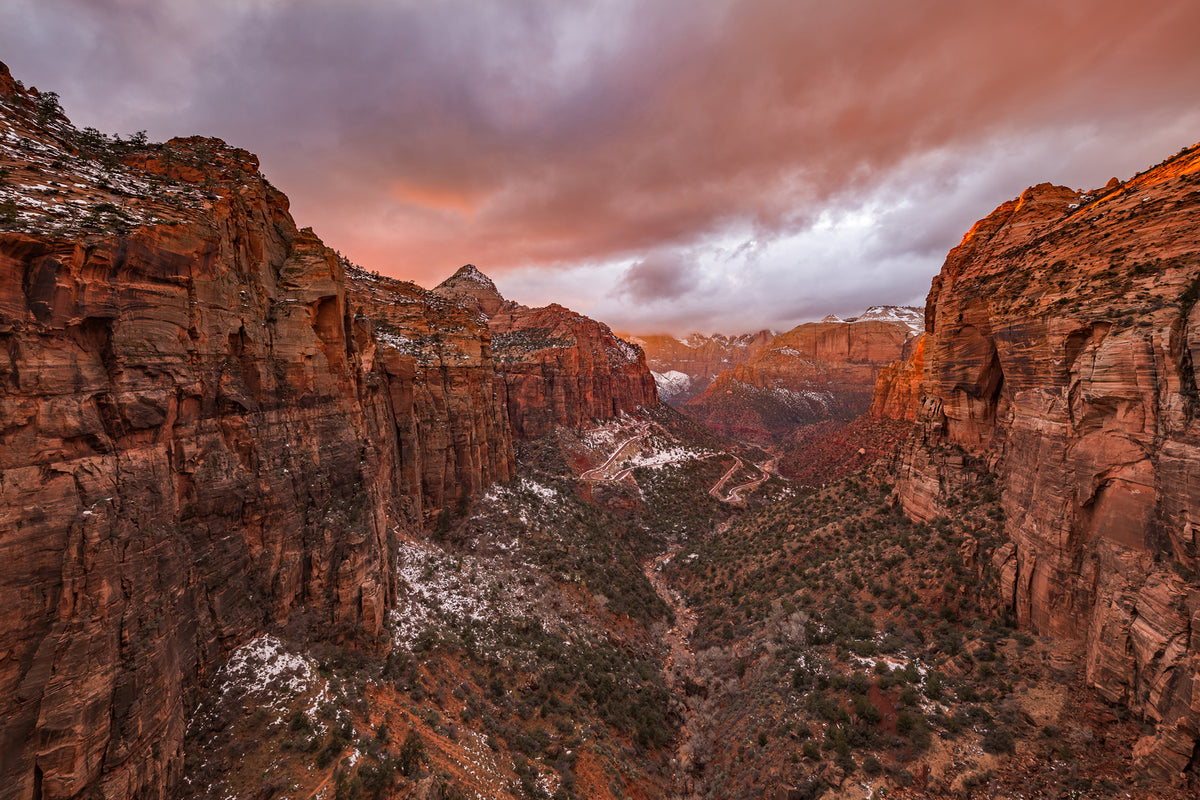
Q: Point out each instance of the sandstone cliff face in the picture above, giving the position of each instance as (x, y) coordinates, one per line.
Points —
(553, 366)
(896, 395)
(188, 454)
(814, 372)
(451, 423)
(556, 367)
(1063, 334)
(212, 426)
(202, 437)
(701, 358)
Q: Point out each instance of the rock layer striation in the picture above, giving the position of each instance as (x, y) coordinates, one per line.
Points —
(685, 367)
(816, 371)
(1062, 337)
(212, 426)
(553, 366)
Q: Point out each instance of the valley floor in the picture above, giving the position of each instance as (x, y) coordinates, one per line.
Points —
(616, 623)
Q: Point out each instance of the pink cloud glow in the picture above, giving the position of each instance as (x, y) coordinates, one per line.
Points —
(621, 149)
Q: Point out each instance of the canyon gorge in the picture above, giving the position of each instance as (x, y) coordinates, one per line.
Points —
(476, 523)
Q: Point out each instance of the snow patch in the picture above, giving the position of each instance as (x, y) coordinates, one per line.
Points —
(547, 493)
(671, 383)
(438, 591)
(623, 351)
(911, 317)
(265, 670)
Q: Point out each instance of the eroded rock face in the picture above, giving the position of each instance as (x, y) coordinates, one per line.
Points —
(897, 390)
(1062, 337)
(553, 366)
(212, 426)
(203, 436)
(816, 371)
(699, 357)
(191, 451)
(451, 423)
(556, 367)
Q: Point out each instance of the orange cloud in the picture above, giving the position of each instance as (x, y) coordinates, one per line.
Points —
(435, 197)
(416, 137)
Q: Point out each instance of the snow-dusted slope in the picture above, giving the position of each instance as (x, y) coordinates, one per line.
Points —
(671, 384)
(911, 316)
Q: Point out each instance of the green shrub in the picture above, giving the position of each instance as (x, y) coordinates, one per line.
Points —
(999, 739)
(412, 754)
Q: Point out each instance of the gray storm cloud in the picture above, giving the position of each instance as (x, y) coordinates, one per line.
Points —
(698, 164)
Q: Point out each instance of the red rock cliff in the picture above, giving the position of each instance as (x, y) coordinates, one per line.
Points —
(897, 389)
(700, 357)
(814, 372)
(203, 436)
(562, 368)
(212, 426)
(553, 366)
(451, 422)
(1063, 333)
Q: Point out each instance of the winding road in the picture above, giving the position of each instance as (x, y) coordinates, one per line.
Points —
(630, 445)
(735, 494)
(600, 473)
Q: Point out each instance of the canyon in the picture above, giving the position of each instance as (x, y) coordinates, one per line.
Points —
(817, 371)
(684, 367)
(273, 524)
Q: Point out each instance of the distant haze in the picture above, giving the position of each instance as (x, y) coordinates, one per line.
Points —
(666, 166)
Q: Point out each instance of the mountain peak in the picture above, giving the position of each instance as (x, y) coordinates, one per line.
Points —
(911, 316)
(471, 288)
(470, 272)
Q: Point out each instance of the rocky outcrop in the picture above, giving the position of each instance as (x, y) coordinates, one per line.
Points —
(897, 389)
(204, 435)
(471, 288)
(1062, 334)
(553, 366)
(814, 372)
(556, 367)
(435, 356)
(698, 358)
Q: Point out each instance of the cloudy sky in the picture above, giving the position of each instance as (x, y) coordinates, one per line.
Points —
(663, 165)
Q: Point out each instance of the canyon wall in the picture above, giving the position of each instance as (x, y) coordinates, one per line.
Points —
(553, 366)
(556, 367)
(191, 450)
(434, 356)
(698, 357)
(816, 371)
(211, 426)
(1062, 337)
(897, 390)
